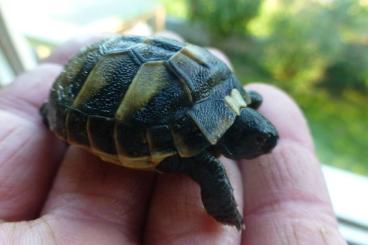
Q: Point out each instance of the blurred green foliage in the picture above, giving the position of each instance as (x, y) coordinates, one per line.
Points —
(224, 17)
(317, 50)
(348, 71)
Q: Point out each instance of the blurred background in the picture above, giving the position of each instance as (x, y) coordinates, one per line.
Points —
(316, 50)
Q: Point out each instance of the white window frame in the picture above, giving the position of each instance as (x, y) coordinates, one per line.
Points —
(349, 196)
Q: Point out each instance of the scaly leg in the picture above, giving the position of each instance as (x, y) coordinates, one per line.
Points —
(256, 99)
(216, 190)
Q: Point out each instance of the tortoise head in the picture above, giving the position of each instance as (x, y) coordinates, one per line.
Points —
(250, 136)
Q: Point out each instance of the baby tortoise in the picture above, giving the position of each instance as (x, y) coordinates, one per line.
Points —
(157, 104)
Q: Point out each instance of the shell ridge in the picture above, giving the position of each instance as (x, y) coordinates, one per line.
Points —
(182, 83)
(180, 76)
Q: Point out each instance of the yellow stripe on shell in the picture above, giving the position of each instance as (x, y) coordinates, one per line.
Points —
(149, 80)
(235, 101)
(94, 82)
(196, 53)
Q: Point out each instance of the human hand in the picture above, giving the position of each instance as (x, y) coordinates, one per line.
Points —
(53, 194)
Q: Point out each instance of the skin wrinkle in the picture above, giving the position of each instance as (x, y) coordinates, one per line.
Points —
(87, 176)
(77, 211)
(322, 233)
(65, 202)
(11, 191)
(304, 232)
(182, 238)
(39, 232)
(49, 229)
(16, 105)
(10, 232)
(282, 230)
(197, 225)
(281, 205)
(27, 104)
(189, 201)
(11, 131)
(69, 174)
(83, 177)
(280, 177)
(289, 186)
(279, 232)
(291, 239)
(14, 129)
(15, 153)
(67, 236)
(295, 234)
(79, 219)
(6, 189)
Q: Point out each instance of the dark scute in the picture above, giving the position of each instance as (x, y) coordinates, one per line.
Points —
(162, 107)
(102, 134)
(69, 90)
(219, 72)
(160, 138)
(194, 74)
(200, 77)
(214, 119)
(167, 44)
(77, 127)
(147, 53)
(189, 133)
(213, 116)
(118, 74)
(132, 140)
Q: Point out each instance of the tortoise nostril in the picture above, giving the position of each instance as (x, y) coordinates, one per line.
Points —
(270, 143)
(261, 139)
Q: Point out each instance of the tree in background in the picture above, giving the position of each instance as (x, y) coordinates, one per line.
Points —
(348, 71)
(224, 17)
(304, 42)
(311, 48)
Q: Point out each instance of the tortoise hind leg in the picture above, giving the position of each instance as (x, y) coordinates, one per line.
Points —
(256, 99)
(43, 112)
(216, 190)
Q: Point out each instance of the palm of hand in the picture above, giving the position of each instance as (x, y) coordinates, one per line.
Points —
(51, 194)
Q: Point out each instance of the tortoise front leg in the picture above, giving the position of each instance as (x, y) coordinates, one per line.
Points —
(216, 190)
(256, 99)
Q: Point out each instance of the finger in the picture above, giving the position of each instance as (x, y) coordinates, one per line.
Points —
(65, 52)
(26, 94)
(285, 114)
(98, 202)
(29, 154)
(177, 215)
(286, 200)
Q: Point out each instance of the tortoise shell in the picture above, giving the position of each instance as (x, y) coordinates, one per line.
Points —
(135, 101)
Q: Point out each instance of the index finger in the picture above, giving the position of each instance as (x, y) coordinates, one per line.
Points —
(26, 168)
(285, 194)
